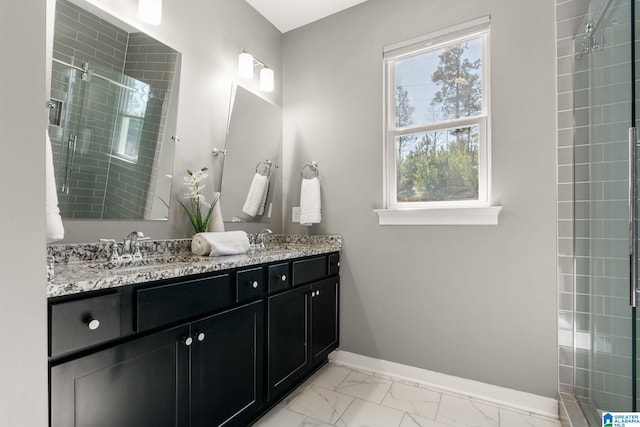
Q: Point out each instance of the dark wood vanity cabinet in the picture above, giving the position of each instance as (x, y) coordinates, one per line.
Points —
(302, 326)
(159, 363)
(227, 367)
(122, 385)
(287, 336)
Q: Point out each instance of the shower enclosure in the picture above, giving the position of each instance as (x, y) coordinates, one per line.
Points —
(604, 210)
(113, 108)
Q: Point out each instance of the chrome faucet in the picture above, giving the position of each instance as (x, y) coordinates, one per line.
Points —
(131, 246)
(114, 257)
(259, 238)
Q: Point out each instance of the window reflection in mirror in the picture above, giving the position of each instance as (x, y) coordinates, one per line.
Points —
(253, 141)
(115, 95)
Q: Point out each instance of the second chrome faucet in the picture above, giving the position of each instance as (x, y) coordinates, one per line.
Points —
(130, 247)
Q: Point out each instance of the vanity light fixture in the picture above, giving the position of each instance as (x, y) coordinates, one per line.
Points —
(246, 69)
(245, 65)
(266, 79)
(150, 11)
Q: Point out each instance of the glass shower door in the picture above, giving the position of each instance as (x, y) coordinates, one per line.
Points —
(604, 320)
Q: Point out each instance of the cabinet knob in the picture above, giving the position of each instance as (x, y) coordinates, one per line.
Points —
(187, 341)
(93, 324)
(283, 277)
(254, 284)
(200, 336)
(338, 264)
(317, 293)
(313, 294)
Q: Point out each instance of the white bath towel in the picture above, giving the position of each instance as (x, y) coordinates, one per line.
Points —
(216, 223)
(55, 229)
(220, 243)
(257, 195)
(310, 201)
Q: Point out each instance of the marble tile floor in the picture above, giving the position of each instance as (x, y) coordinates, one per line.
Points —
(337, 396)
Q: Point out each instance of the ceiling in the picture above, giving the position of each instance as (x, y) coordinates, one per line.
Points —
(287, 15)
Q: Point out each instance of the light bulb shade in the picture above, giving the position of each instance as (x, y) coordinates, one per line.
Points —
(245, 65)
(266, 79)
(150, 11)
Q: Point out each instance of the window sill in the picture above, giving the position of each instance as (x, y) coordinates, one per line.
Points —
(487, 215)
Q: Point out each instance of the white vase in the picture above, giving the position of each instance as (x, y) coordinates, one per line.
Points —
(216, 223)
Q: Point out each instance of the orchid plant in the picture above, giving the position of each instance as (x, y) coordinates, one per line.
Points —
(196, 201)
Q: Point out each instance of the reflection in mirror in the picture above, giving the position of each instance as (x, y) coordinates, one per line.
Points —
(251, 166)
(112, 115)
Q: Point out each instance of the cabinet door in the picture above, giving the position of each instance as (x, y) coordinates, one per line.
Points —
(227, 367)
(287, 332)
(324, 318)
(140, 383)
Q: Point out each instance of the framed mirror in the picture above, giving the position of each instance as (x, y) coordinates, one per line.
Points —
(113, 110)
(250, 187)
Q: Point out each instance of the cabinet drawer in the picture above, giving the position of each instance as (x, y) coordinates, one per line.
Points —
(278, 277)
(334, 264)
(161, 305)
(82, 323)
(250, 284)
(309, 270)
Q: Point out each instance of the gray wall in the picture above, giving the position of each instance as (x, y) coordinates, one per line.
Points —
(23, 120)
(473, 301)
(210, 36)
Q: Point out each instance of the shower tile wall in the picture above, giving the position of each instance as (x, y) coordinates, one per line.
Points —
(81, 37)
(104, 186)
(129, 184)
(594, 318)
(569, 16)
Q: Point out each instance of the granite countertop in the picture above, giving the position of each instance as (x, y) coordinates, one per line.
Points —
(82, 268)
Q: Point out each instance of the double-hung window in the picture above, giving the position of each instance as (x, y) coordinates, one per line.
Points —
(437, 139)
(133, 108)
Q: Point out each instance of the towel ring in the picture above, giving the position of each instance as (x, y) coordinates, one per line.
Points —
(266, 171)
(312, 167)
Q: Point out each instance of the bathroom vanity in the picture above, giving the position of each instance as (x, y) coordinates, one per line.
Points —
(197, 341)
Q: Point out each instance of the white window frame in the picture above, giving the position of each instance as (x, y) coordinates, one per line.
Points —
(125, 118)
(438, 212)
(123, 140)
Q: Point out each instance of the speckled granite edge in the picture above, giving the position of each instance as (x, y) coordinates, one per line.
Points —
(82, 252)
(79, 268)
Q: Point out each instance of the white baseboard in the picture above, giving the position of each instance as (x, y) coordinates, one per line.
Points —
(519, 400)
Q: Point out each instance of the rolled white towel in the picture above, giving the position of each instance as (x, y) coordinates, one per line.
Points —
(310, 201)
(257, 192)
(220, 243)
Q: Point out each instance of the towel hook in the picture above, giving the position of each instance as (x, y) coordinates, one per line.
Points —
(313, 166)
(267, 170)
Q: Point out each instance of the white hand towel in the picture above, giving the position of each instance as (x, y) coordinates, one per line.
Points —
(217, 222)
(55, 229)
(263, 202)
(257, 192)
(220, 243)
(310, 201)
